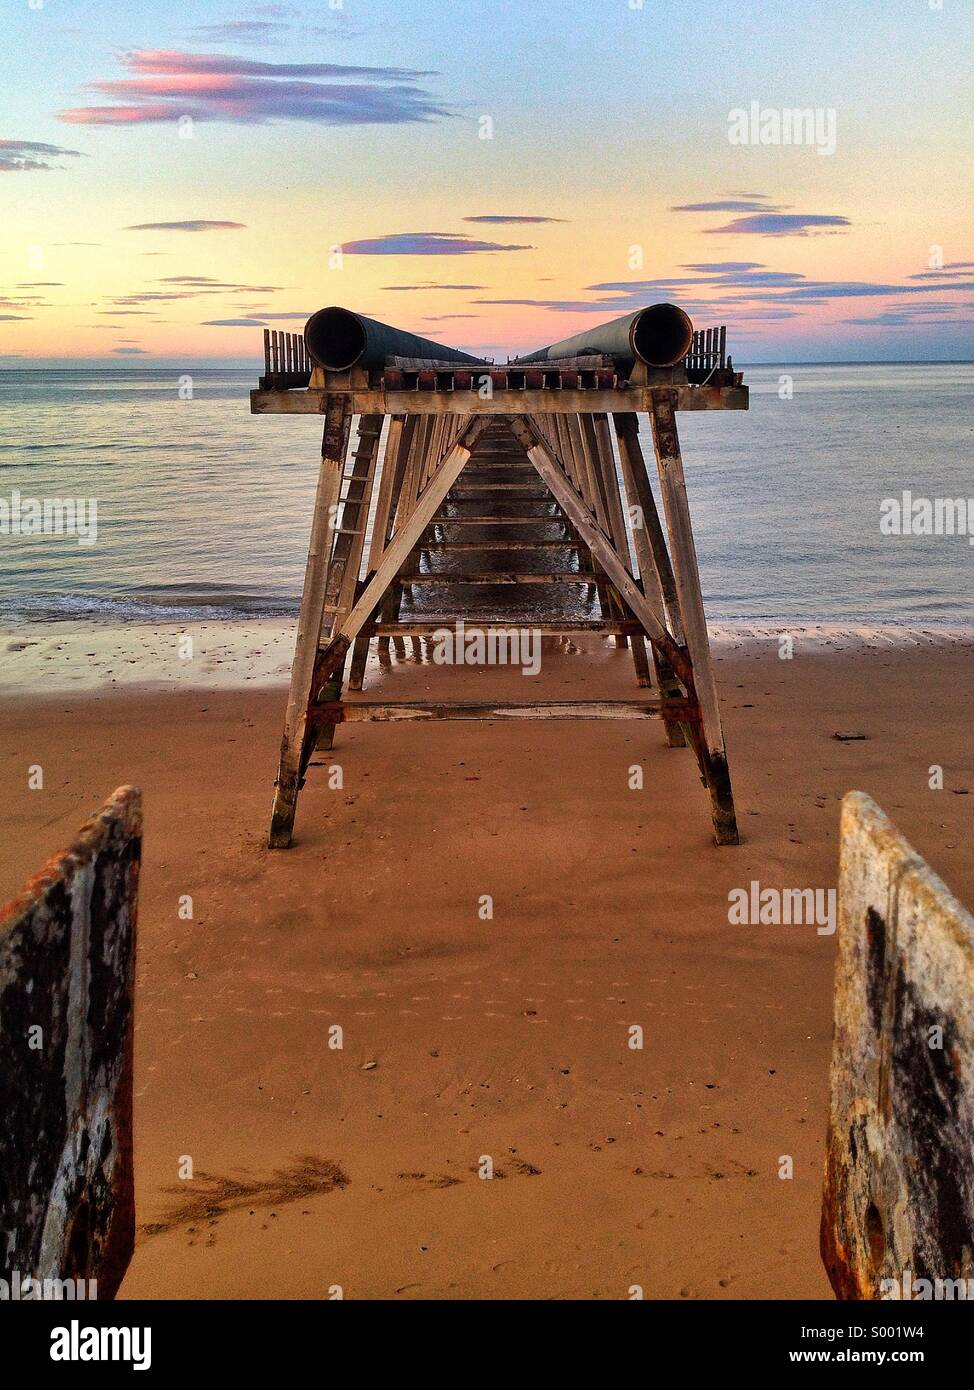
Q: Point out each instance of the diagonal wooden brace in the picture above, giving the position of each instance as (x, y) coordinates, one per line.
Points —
(543, 458)
(400, 547)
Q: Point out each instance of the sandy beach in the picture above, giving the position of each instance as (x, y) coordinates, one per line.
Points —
(467, 1040)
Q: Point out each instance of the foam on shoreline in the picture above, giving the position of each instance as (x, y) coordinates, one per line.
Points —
(55, 657)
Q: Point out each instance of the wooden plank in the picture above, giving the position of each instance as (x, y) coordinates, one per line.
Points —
(500, 545)
(441, 520)
(898, 1200)
(67, 977)
(496, 577)
(463, 491)
(381, 711)
(363, 401)
(710, 746)
(293, 748)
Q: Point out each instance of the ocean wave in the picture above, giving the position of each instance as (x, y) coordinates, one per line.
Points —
(181, 607)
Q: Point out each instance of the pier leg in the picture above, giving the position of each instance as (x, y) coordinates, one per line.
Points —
(398, 443)
(294, 749)
(709, 737)
(652, 557)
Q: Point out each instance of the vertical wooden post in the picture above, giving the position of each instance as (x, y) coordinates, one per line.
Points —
(607, 485)
(346, 559)
(293, 743)
(710, 748)
(652, 558)
(400, 435)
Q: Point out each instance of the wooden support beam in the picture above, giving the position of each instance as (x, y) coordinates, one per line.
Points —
(602, 550)
(293, 748)
(403, 542)
(383, 711)
(709, 745)
(649, 545)
(398, 444)
(378, 401)
(605, 481)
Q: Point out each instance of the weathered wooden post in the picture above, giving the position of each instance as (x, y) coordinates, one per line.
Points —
(67, 958)
(898, 1203)
(295, 742)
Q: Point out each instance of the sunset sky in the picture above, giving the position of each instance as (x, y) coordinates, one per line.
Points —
(175, 176)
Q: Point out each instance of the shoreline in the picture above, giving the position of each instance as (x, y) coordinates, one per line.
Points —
(239, 653)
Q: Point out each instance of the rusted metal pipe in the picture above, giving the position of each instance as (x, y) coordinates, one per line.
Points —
(659, 335)
(338, 339)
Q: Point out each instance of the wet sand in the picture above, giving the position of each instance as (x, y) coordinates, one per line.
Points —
(467, 1039)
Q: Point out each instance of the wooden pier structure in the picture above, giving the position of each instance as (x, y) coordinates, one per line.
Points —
(472, 492)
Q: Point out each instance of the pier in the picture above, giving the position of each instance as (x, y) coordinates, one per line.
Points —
(472, 493)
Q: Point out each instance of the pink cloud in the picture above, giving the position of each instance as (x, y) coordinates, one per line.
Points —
(212, 87)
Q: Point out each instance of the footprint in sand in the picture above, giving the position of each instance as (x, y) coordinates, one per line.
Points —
(429, 1179)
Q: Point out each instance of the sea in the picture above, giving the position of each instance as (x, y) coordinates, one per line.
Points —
(203, 509)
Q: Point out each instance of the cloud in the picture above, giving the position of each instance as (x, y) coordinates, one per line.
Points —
(232, 323)
(197, 226)
(742, 291)
(13, 318)
(433, 285)
(206, 284)
(754, 203)
(253, 31)
(423, 244)
(500, 218)
(20, 156)
(294, 314)
(129, 351)
(563, 306)
(779, 224)
(168, 84)
(913, 316)
(953, 270)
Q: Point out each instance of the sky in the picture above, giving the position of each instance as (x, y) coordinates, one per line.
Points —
(492, 175)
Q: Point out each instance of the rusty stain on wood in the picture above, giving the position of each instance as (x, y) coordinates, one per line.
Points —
(898, 1202)
(67, 951)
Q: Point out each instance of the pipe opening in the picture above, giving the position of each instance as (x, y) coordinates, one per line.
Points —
(662, 335)
(335, 339)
